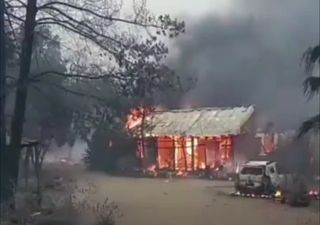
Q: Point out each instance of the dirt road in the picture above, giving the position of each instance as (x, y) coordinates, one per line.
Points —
(194, 202)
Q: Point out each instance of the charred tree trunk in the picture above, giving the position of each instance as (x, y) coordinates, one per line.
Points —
(37, 157)
(3, 174)
(22, 90)
(26, 166)
(2, 78)
(5, 186)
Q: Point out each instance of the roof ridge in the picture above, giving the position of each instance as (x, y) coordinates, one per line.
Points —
(202, 109)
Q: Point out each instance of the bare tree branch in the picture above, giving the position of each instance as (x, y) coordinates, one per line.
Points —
(311, 57)
(69, 26)
(77, 93)
(310, 124)
(311, 86)
(22, 3)
(78, 24)
(15, 17)
(70, 75)
(105, 17)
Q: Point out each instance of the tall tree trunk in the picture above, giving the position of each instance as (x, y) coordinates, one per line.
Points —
(37, 164)
(2, 77)
(26, 166)
(4, 175)
(22, 90)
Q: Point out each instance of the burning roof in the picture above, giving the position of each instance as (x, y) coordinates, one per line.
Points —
(198, 122)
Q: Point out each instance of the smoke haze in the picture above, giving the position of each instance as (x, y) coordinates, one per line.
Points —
(250, 55)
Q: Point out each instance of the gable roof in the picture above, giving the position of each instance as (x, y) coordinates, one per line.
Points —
(198, 122)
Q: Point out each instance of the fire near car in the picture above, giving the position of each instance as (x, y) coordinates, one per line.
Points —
(257, 177)
(263, 178)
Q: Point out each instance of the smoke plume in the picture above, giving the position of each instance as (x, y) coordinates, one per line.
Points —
(251, 55)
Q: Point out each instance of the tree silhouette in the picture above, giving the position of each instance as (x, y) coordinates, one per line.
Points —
(311, 85)
(109, 49)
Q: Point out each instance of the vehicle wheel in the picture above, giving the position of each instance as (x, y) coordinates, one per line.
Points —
(267, 186)
(236, 187)
(296, 201)
(283, 200)
(236, 184)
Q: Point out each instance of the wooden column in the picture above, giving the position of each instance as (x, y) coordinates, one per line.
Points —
(192, 153)
(174, 153)
(232, 150)
(184, 149)
(205, 152)
(156, 140)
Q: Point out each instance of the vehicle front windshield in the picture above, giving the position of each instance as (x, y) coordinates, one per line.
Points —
(252, 170)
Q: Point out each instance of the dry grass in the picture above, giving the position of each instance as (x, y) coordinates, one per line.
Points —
(64, 202)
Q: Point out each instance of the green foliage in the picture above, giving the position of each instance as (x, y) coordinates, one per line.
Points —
(312, 123)
(311, 57)
(311, 88)
(108, 144)
(49, 113)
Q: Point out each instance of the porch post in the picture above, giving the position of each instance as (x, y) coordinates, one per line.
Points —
(192, 153)
(174, 153)
(205, 151)
(155, 145)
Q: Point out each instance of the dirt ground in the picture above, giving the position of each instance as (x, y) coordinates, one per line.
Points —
(193, 202)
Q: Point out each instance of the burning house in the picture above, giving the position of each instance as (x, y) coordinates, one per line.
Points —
(190, 140)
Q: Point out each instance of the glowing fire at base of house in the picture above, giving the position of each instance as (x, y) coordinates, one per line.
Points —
(181, 173)
(170, 140)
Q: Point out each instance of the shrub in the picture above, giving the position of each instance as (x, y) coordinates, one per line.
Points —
(77, 206)
(107, 146)
(82, 204)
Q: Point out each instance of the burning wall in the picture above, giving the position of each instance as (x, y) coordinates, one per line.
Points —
(190, 153)
(188, 140)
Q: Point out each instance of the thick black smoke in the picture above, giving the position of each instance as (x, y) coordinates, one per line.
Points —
(252, 55)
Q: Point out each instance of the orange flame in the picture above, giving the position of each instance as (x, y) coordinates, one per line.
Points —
(181, 173)
(136, 114)
(135, 117)
(152, 170)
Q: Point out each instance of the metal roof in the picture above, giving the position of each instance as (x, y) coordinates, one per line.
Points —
(198, 122)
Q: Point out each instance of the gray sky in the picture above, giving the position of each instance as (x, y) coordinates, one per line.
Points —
(192, 8)
(245, 52)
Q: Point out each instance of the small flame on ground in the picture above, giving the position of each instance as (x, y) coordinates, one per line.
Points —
(152, 170)
(278, 194)
(314, 193)
(181, 173)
